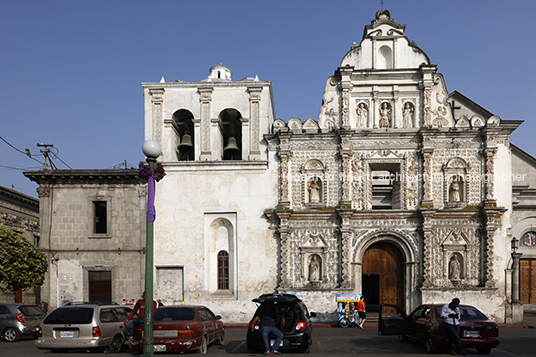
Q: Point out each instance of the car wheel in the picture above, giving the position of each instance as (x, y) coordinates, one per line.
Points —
(344, 322)
(484, 350)
(11, 334)
(203, 348)
(221, 339)
(430, 344)
(116, 345)
(403, 338)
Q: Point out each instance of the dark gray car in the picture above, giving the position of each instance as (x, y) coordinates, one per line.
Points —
(18, 320)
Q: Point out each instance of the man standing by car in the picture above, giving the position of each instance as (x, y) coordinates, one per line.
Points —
(266, 318)
(451, 314)
(131, 323)
(361, 311)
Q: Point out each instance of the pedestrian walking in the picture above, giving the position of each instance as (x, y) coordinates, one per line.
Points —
(361, 311)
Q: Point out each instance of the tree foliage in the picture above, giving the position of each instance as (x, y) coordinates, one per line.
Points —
(22, 265)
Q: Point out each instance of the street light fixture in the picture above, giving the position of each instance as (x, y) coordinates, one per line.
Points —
(151, 150)
(514, 244)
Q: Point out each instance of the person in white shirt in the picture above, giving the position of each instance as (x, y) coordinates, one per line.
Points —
(451, 314)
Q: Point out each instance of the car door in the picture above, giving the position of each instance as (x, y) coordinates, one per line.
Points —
(392, 320)
(423, 323)
(207, 324)
(217, 323)
(4, 320)
(109, 323)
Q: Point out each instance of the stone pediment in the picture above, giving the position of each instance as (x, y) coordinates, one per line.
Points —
(455, 238)
(314, 241)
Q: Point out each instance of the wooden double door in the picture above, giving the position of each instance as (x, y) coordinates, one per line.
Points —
(527, 281)
(383, 276)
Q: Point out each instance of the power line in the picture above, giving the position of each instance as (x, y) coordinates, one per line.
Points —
(22, 152)
(18, 168)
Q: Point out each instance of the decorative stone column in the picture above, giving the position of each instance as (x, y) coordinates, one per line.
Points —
(254, 108)
(427, 201)
(427, 246)
(346, 250)
(205, 97)
(490, 196)
(157, 101)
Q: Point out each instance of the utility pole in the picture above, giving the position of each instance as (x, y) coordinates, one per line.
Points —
(45, 153)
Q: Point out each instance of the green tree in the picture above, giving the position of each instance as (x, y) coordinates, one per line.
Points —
(22, 265)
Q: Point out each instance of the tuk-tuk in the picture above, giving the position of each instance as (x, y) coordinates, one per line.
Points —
(347, 309)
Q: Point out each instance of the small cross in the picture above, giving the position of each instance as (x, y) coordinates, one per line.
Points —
(381, 3)
(454, 107)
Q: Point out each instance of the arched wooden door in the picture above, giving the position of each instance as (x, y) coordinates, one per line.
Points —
(383, 276)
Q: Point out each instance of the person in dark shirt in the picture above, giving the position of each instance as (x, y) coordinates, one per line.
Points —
(266, 318)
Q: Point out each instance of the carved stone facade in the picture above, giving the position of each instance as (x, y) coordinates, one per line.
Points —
(399, 191)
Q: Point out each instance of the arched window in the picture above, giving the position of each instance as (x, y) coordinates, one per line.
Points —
(223, 270)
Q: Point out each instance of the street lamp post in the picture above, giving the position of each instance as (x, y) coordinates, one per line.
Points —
(517, 306)
(151, 150)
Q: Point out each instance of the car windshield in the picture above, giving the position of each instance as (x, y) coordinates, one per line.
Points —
(31, 310)
(70, 315)
(174, 314)
(468, 313)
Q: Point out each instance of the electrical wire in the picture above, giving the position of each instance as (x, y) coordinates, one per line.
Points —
(22, 152)
(57, 157)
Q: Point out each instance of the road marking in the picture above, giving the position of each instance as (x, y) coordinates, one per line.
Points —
(237, 347)
(319, 345)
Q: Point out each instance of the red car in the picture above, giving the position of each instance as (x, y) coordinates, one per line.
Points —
(424, 324)
(183, 328)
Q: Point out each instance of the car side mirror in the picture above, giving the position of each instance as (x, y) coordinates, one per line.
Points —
(312, 314)
(218, 317)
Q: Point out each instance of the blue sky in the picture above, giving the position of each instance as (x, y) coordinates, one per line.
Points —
(71, 70)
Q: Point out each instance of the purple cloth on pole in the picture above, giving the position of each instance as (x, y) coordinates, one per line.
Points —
(151, 212)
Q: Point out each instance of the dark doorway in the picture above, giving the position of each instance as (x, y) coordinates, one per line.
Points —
(383, 276)
(371, 291)
(100, 286)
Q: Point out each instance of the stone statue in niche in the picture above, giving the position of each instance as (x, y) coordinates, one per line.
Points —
(362, 116)
(455, 268)
(314, 268)
(454, 191)
(314, 191)
(385, 116)
(407, 115)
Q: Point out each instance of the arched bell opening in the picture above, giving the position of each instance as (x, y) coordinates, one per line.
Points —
(231, 129)
(184, 128)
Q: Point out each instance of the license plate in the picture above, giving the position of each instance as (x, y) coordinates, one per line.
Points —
(273, 341)
(66, 334)
(471, 334)
(159, 348)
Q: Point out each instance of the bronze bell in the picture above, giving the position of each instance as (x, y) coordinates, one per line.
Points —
(186, 143)
(231, 148)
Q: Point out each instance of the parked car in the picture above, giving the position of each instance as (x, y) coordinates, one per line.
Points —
(88, 326)
(424, 324)
(183, 328)
(298, 328)
(18, 320)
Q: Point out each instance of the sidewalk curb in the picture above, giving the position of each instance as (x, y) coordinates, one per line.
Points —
(237, 326)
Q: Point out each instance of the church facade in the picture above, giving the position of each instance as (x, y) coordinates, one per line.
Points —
(399, 191)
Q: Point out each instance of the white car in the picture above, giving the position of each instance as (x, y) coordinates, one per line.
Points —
(88, 326)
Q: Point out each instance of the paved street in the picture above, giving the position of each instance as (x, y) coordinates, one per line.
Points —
(327, 341)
